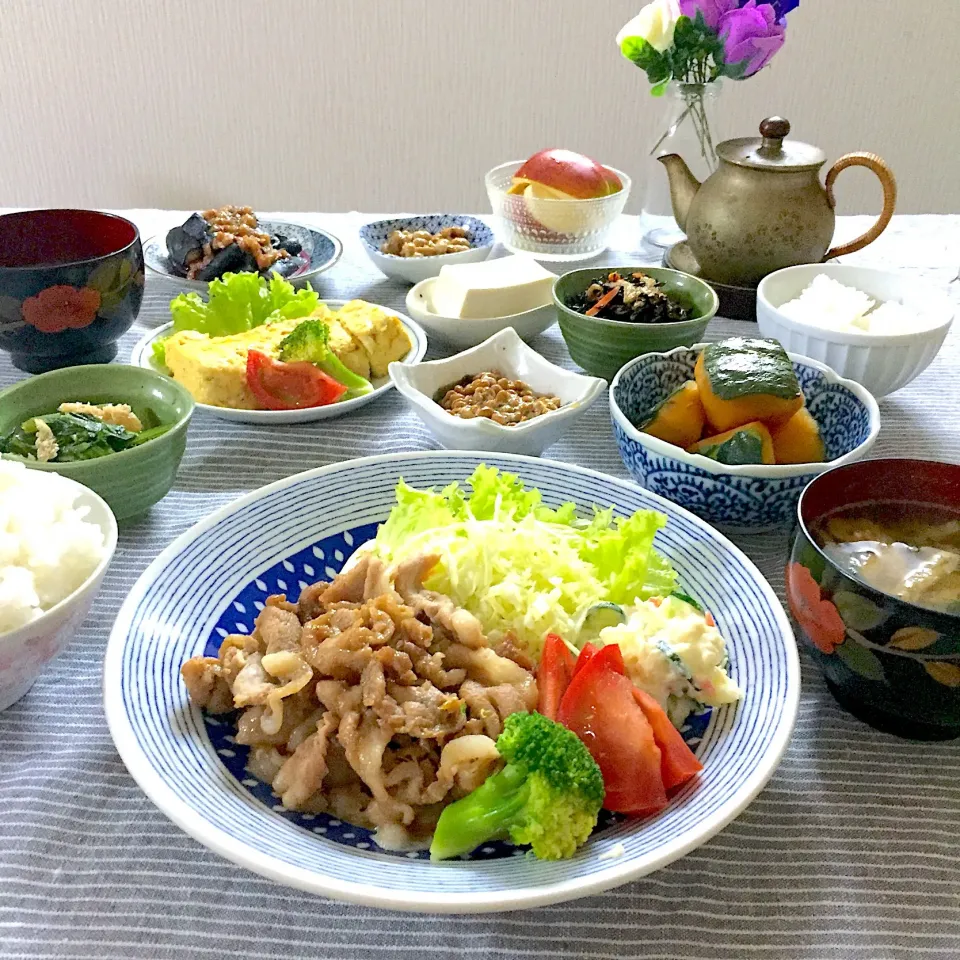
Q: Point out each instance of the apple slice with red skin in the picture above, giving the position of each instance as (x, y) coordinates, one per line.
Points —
(568, 173)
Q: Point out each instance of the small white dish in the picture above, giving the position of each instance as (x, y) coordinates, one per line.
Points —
(143, 356)
(468, 333)
(24, 652)
(415, 269)
(881, 362)
(508, 354)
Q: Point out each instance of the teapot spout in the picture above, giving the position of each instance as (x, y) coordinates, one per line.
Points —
(683, 186)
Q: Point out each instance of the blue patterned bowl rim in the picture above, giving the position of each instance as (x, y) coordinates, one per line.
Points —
(480, 233)
(773, 471)
(196, 582)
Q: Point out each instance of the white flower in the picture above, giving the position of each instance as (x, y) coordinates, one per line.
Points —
(655, 23)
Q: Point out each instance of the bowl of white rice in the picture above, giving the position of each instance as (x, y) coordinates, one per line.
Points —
(56, 541)
(877, 327)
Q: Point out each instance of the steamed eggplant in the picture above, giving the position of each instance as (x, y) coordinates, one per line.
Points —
(230, 240)
(185, 243)
(228, 260)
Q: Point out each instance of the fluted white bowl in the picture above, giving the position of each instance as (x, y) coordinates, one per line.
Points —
(419, 384)
(881, 362)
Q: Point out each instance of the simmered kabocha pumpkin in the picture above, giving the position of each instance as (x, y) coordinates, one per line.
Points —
(746, 379)
(749, 443)
(798, 440)
(679, 419)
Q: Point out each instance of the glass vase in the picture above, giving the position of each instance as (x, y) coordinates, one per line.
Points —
(687, 128)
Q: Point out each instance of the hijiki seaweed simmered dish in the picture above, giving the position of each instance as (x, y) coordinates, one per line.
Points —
(486, 668)
(637, 298)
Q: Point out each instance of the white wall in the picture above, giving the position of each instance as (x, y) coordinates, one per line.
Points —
(390, 104)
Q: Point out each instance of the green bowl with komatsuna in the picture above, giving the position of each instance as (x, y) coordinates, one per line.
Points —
(119, 430)
(610, 315)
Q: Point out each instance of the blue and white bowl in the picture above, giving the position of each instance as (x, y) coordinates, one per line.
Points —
(415, 269)
(215, 578)
(740, 499)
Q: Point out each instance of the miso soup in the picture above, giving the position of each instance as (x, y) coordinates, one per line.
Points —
(906, 549)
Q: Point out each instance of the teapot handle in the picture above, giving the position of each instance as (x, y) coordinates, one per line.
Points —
(887, 181)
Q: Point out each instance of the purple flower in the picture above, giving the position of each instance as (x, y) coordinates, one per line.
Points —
(712, 10)
(751, 35)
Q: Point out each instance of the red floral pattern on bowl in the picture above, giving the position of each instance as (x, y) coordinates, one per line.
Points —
(62, 307)
(818, 618)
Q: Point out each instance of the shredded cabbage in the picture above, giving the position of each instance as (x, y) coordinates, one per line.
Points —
(519, 565)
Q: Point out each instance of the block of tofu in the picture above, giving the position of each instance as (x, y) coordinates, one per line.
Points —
(492, 288)
(381, 335)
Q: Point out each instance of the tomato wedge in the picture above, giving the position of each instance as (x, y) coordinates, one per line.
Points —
(677, 761)
(587, 652)
(289, 386)
(553, 675)
(600, 709)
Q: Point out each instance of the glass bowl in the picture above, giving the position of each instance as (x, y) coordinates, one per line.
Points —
(552, 229)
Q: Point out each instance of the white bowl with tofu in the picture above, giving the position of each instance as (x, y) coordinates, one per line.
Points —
(467, 304)
(143, 355)
(425, 386)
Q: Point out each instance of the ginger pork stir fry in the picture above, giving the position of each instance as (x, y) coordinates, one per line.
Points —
(372, 699)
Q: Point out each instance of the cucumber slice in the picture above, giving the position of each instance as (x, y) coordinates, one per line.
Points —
(597, 617)
(686, 598)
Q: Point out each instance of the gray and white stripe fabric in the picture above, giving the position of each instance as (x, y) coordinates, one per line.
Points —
(850, 853)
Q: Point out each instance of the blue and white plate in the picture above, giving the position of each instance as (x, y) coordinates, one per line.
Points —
(214, 579)
(745, 498)
(143, 355)
(320, 251)
(414, 269)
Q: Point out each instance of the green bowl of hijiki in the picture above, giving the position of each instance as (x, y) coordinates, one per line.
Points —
(117, 429)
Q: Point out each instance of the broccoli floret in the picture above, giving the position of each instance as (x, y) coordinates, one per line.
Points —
(548, 795)
(309, 342)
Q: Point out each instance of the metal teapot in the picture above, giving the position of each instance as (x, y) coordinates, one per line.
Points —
(764, 207)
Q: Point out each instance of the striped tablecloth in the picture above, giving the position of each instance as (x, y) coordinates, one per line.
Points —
(850, 852)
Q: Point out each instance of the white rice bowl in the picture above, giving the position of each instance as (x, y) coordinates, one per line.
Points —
(48, 548)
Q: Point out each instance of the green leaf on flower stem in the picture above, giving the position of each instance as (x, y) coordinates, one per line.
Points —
(638, 51)
(684, 30)
(861, 660)
(857, 611)
(659, 89)
(735, 71)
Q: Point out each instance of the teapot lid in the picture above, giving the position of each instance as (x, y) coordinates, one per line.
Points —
(771, 150)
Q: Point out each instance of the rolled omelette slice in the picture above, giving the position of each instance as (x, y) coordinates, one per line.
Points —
(381, 335)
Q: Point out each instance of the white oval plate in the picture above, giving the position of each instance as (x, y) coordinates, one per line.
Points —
(142, 356)
(209, 582)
